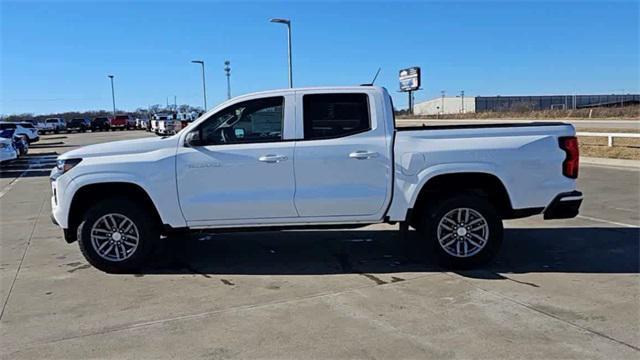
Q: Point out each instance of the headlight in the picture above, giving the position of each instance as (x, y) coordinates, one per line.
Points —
(66, 165)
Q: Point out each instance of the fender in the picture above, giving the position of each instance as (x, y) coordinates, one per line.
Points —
(165, 203)
(407, 188)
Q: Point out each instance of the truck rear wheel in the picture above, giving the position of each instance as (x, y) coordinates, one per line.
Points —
(117, 235)
(465, 230)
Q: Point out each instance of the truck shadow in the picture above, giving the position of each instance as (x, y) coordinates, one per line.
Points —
(525, 250)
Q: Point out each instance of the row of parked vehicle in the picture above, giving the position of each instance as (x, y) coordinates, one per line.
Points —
(105, 123)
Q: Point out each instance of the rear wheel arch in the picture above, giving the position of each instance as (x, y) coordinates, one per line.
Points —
(89, 195)
(447, 185)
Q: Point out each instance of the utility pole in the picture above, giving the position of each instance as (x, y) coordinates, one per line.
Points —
(442, 92)
(227, 70)
(462, 101)
(113, 96)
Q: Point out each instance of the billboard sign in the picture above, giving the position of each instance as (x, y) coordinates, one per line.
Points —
(410, 79)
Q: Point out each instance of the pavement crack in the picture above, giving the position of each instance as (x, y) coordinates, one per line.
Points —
(548, 314)
(205, 314)
(24, 254)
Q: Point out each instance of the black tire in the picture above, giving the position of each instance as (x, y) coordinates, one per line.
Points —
(434, 214)
(147, 228)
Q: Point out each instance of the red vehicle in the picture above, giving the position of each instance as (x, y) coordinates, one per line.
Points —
(122, 122)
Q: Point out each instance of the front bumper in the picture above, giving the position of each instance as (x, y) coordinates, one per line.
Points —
(35, 139)
(564, 206)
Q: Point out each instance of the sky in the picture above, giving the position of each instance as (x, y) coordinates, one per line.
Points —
(55, 56)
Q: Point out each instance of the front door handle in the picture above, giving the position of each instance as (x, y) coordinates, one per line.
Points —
(270, 158)
(363, 155)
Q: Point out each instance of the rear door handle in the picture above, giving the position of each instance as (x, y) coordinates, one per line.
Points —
(271, 158)
(363, 155)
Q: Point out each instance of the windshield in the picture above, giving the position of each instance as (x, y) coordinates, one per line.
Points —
(7, 126)
(52, 121)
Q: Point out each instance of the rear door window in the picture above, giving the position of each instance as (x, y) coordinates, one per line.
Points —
(328, 116)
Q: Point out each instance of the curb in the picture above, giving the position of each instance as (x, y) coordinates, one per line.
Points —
(610, 162)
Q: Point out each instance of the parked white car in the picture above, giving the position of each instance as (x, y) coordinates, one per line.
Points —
(7, 151)
(315, 157)
(24, 129)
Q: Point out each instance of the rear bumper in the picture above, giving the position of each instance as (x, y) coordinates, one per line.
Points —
(564, 206)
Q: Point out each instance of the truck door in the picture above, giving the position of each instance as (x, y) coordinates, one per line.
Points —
(343, 162)
(242, 167)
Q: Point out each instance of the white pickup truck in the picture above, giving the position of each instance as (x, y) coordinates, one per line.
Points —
(314, 157)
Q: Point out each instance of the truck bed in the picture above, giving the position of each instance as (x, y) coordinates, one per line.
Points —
(526, 158)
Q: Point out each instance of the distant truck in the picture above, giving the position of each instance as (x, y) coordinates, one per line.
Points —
(55, 125)
(315, 157)
(102, 123)
(122, 122)
(171, 123)
(79, 125)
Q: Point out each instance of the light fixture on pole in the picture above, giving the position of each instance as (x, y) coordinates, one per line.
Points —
(113, 95)
(204, 86)
(288, 23)
(227, 70)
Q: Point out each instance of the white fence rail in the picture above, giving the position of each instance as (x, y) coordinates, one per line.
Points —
(609, 136)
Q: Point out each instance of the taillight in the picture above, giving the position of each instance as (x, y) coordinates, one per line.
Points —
(571, 162)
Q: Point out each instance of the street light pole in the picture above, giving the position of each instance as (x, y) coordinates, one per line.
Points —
(288, 23)
(113, 96)
(227, 70)
(462, 101)
(204, 85)
(442, 92)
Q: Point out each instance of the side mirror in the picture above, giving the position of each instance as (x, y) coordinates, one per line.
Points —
(239, 132)
(193, 139)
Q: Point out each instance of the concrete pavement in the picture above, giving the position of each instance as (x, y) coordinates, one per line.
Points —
(559, 289)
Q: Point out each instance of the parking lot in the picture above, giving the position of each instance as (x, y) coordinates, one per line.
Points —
(558, 289)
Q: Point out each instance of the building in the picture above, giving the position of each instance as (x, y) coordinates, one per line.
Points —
(446, 105)
(453, 105)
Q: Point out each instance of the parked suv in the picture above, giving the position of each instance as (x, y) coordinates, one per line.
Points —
(24, 129)
(56, 124)
(101, 124)
(79, 124)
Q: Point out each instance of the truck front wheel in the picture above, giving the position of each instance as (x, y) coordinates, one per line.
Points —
(465, 230)
(117, 235)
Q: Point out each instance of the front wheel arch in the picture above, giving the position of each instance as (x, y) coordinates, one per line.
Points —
(90, 194)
